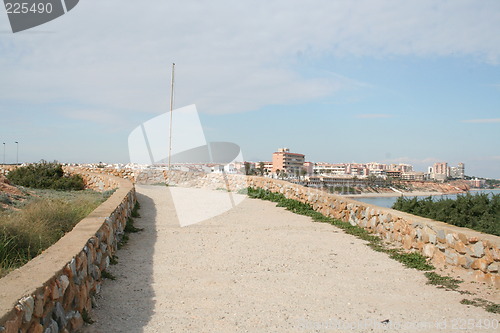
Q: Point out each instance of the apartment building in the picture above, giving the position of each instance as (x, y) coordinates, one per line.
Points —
(458, 171)
(284, 160)
(329, 168)
(309, 167)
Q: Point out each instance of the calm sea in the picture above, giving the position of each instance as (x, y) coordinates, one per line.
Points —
(389, 201)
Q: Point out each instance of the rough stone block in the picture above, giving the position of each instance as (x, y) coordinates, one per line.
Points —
(69, 296)
(439, 258)
(13, 325)
(28, 306)
(441, 236)
(428, 250)
(64, 283)
(463, 238)
(35, 328)
(473, 240)
(451, 257)
(460, 247)
(56, 293)
(480, 264)
(478, 250)
(495, 253)
(496, 281)
(75, 322)
(432, 238)
(60, 315)
(494, 267)
(407, 242)
(38, 310)
(450, 240)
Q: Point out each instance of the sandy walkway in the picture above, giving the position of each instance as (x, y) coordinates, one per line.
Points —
(258, 268)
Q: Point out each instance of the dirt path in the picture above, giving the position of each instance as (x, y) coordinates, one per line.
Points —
(258, 268)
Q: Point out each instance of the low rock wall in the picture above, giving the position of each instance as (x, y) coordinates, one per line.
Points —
(178, 178)
(476, 252)
(52, 292)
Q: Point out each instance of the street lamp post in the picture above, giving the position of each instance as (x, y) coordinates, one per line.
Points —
(17, 152)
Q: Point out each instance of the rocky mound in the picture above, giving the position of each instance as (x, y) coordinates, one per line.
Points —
(8, 188)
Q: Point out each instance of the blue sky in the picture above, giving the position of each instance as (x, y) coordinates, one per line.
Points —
(341, 81)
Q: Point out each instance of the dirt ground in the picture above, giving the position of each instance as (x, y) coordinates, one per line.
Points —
(259, 268)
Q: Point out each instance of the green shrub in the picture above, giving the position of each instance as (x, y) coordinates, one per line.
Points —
(480, 212)
(45, 175)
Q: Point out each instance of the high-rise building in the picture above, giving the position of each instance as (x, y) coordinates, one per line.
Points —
(440, 171)
(290, 163)
(458, 171)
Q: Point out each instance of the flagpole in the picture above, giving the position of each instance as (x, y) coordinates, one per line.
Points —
(171, 112)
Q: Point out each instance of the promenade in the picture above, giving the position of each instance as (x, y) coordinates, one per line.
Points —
(259, 268)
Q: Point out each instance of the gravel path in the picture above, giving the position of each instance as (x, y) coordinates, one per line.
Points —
(258, 268)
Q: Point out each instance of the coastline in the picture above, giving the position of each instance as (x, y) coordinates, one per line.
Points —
(395, 194)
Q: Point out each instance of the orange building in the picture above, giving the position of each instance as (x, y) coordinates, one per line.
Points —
(283, 160)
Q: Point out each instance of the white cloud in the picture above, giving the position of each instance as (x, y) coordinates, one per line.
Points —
(482, 121)
(231, 56)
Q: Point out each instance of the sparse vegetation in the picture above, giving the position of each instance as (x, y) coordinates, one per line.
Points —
(129, 226)
(107, 275)
(113, 260)
(440, 281)
(42, 220)
(135, 210)
(86, 317)
(480, 211)
(482, 303)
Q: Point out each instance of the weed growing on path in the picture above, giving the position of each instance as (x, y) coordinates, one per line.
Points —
(482, 303)
(107, 275)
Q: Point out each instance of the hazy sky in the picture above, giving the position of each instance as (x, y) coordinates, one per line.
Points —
(340, 81)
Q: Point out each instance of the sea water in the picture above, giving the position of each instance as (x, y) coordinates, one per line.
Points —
(389, 201)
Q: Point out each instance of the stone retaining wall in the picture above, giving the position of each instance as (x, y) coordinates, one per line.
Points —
(52, 292)
(178, 178)
(476, 252)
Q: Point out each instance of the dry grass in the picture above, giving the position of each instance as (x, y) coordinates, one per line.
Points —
(41, 221)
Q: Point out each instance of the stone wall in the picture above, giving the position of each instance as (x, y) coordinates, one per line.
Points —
(476, 252)
(6, 168)
(178, 178)
(52, 292)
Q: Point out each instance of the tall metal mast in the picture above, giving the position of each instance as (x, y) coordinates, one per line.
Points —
(171, 112)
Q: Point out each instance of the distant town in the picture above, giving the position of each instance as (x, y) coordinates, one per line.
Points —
(336, 177)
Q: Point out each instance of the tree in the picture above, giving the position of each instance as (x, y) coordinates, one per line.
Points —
(247, 168)
(261, 166)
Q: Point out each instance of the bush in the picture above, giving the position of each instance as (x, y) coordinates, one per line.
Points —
(45, 175)
(480, 212)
